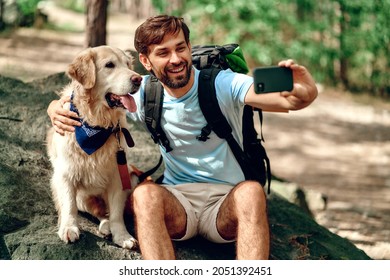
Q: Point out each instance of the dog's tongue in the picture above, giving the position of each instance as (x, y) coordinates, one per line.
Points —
(129, 103)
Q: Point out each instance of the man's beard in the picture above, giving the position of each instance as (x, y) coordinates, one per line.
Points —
(179, 81)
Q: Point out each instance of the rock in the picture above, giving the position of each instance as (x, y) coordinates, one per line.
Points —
(28, 220)
(310, 201)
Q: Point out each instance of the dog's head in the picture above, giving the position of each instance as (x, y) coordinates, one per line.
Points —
(106, 77)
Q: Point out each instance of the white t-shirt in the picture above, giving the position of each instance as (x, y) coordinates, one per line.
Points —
(182, 120)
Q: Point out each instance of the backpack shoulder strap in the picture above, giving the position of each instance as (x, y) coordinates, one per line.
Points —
(153, 100)
(209, 103)
(216, 120)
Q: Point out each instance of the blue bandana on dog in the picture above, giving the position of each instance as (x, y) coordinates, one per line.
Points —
(90, 138)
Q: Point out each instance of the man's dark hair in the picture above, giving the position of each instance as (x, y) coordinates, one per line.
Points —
(153, 30)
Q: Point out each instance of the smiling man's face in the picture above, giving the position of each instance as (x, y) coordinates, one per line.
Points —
(170, 61)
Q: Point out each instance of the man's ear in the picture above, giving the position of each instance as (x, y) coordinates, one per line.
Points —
(145, 62)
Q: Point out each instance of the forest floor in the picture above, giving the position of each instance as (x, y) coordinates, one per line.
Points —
(339, 146)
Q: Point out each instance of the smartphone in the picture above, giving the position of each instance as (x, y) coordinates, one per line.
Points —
(272, 79)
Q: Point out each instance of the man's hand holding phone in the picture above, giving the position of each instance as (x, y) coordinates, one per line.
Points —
(304, 90)
(287, 86)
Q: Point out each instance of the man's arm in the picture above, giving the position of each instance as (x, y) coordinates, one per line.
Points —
(302, 95)
(61, 118)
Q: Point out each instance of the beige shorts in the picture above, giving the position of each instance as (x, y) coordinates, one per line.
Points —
(201, 202)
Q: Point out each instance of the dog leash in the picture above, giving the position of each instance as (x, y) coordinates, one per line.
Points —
(121, 156)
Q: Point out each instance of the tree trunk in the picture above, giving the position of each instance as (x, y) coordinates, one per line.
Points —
(96, 23)
(2, 24)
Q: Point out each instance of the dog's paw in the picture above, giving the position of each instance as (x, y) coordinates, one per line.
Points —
(69, 234)
(127, 241)
(104, 227)
(130, 243)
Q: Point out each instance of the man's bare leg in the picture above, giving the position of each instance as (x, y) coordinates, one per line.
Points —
(158, 217)
(243, 215)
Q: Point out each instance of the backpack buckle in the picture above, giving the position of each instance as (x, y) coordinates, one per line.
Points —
(165, 143)
(204, 133)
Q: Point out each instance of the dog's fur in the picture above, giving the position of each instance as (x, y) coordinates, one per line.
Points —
(91, 183)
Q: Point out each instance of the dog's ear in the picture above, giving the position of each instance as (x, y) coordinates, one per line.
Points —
(82, 69)
(131, 58)
(129, 54)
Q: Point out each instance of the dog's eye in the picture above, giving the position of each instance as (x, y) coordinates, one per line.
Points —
(110, 65)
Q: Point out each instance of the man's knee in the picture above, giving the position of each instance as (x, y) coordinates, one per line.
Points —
(250, 195)
(146, 196)
(155, 203)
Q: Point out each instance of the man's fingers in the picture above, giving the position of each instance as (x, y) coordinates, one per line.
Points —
(286, 63)
(299, 92)
(63, 124)
(59, 131)
(60, 110)
(286, 93)
(65, 116)
(66, 122)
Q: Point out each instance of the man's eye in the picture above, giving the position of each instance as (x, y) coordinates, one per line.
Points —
(162, 54)
(110, 65)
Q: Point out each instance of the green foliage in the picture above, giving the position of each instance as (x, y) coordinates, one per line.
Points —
(160, 5)
(342, 42)
(173, 7)
(26, 10)
(74, 5)
(27, 7)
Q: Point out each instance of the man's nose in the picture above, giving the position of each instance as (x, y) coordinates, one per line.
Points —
(174, 58)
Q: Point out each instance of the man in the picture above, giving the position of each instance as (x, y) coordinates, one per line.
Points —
(204, 190)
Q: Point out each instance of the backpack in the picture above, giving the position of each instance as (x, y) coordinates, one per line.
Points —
(253, 159)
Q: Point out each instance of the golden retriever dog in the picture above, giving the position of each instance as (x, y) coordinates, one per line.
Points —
(86, 169)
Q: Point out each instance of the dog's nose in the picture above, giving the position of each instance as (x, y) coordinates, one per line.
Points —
(136, 80)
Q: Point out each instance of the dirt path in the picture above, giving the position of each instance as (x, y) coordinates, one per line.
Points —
(338, 146)
(35, 53)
